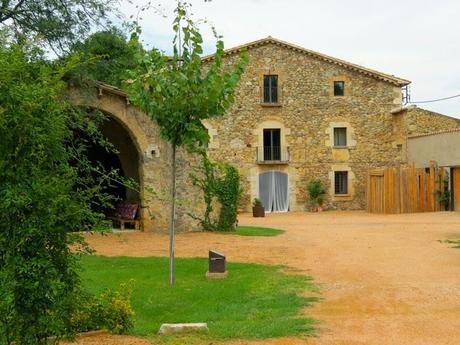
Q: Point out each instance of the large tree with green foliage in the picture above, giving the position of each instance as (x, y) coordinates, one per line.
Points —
(106, 56)
(58, 22)
(178, 93)
(44, 194)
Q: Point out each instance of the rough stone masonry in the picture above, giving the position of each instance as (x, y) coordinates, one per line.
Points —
(319, 133)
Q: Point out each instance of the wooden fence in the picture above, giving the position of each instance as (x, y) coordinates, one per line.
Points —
(404, 190)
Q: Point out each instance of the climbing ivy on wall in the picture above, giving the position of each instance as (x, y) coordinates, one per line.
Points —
(220, 184)
(228, 192)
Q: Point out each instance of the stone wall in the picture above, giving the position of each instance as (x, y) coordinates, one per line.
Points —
(412, 121)
(152, 153)
(421, 121)
(305, 114)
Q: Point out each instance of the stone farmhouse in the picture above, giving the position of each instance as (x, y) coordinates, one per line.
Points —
(299, 115)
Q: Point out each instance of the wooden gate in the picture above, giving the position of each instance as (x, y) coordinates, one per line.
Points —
(376, 199)
(404, 190)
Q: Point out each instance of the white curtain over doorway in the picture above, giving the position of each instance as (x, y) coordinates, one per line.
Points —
(274, 191)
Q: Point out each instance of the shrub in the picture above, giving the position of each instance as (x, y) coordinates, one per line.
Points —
(43, 196)
(117, 311)
(85, 317)
(444, 196)
(111, 310)
(257, 203)
(316, 191)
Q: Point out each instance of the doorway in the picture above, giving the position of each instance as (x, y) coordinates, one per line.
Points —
(274, 191)
(456, 188)
(272, 144)
(118, 155)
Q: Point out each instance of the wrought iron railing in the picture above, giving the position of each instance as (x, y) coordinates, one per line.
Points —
(272, 154)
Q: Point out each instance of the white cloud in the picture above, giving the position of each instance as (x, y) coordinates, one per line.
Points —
(413, 39)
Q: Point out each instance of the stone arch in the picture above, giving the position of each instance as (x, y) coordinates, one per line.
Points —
(128, 153)
(143, 133)
(119, 110)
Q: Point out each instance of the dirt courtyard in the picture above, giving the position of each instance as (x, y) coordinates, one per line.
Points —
(384, 279)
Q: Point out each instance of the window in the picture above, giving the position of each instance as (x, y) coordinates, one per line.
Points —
(339, 88)
(341, 182)
(270, 88)
(272, 144)
(340, 136)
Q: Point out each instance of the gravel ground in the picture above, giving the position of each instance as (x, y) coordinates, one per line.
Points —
(385, 279)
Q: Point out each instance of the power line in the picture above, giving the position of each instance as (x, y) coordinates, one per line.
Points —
(435, 100)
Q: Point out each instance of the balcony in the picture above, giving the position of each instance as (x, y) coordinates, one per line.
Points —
(272, 155)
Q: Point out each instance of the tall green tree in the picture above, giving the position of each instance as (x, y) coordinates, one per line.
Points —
(178, 92)
(58, 22)
(43, 196)
(106, 56)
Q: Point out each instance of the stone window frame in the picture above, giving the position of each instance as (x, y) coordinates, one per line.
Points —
(334, 130)
(280, 74)
(351, 142)
(270, 91)
(342, 89)
(272, 122)
(350, 183)
(347, 86)
(345, 173)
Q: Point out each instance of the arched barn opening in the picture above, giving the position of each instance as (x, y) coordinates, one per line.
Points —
(124, 157)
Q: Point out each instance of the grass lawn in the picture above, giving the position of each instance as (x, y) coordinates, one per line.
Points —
(255, 301)
(257, 231)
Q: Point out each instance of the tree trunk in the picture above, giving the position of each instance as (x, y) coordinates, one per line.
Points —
(173, 217)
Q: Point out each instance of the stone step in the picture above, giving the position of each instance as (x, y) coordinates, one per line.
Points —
(170, 328)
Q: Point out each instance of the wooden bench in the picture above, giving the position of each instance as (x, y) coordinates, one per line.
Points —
(126, 213)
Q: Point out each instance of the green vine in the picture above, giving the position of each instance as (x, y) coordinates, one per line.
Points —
(219, 182)
(206, 182)
(228, 193)
(444, 196)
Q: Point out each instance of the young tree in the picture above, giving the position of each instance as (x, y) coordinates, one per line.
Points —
(178, 93)
(42, 198)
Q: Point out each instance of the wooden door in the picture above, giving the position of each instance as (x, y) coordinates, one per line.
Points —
(456, 188)
(375, 198)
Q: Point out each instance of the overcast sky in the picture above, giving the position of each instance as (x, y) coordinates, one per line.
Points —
(417, 40)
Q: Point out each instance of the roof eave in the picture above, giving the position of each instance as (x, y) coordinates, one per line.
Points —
(366, 71)
(110, 89)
